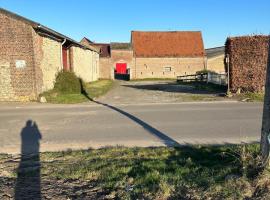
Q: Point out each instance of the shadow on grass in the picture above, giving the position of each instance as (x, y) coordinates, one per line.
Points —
(28, 173)
(190, 88)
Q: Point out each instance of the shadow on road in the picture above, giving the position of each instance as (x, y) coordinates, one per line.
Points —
(28, 172)
(153, 131)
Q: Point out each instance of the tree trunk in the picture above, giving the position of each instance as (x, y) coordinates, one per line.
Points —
(265, 132)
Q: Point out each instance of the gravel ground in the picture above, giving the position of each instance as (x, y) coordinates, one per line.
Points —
(137, 92)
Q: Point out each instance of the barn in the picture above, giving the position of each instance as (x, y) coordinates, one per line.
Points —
(156, 55)
(32, 54)
(215, 59)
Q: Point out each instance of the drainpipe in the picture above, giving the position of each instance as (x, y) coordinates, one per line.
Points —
(61, 53)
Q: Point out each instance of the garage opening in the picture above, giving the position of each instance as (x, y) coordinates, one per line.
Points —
(121, 72)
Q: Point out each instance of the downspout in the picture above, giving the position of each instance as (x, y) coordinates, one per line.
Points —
(61, 53)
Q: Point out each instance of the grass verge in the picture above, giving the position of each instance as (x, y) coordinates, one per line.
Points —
(154, 79)
(209, 87)
(93, 90)
(254, 97)
(195, 172)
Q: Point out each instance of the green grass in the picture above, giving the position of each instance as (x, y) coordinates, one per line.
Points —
(255, 97)
(210, 87)
(162, 172)
(98, 88)
(93, 90)
(197, 97)
(154, 79)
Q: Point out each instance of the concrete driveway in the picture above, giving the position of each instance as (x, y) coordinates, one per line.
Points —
(96, 125)
(137, 92)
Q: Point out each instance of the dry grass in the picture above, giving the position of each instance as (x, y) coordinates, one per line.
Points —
(195, 172)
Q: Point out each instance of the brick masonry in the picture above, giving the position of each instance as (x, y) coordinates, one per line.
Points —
(16, 44)
(105, 68)
(141, 68)
(166, 67)
(30, 62)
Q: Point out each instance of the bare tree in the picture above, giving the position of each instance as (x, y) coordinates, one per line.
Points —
(265, 132)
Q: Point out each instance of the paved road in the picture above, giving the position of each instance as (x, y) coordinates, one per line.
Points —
(97, 125)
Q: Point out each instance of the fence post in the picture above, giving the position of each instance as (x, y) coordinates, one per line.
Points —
(228, 75)
(265, 131)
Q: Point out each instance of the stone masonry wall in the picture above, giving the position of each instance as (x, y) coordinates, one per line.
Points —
(17, 60)
(6, 90)
(84, 64)
(48, 59)
(166, 67)
(216, 64)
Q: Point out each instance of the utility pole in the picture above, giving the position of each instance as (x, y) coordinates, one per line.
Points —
(228, 75)
(265, 131)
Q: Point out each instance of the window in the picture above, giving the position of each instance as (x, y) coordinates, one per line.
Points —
(167, 69)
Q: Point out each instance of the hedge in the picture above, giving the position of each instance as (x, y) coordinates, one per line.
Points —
(248, 57)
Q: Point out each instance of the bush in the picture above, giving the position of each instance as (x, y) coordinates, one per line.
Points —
(68, 83)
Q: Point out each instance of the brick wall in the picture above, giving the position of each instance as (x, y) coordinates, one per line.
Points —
(16, 44)
(216, 64)
(85, 63)
(159, 67)
(121, 56)
(105, 68)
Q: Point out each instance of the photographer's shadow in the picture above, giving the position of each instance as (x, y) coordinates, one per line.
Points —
(28, 172)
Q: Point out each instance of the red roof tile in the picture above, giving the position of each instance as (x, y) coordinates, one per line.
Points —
(167, 44)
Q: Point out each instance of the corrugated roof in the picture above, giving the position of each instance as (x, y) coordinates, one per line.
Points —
(43, 29)
(216, 51)
(167, 44)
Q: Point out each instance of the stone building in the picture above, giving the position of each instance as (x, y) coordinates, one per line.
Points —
(31, 55)
(215, 59)
(155, 55)
(104, 57)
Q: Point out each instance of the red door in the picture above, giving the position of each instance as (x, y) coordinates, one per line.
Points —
(121, 68)
(64, 57)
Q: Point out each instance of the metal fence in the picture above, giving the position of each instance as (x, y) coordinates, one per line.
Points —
(209, 77)
(219, 79)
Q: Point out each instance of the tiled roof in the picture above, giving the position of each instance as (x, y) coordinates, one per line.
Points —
(104, 48)
(167, 44)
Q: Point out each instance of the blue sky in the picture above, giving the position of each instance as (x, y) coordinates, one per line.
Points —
(112, 20)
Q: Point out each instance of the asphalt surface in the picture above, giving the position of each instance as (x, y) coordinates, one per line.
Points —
(61, 127)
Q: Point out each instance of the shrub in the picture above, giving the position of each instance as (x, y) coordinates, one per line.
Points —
(68, 83)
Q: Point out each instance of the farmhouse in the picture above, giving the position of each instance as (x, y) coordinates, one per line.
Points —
(154, 55)
(32, 54)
